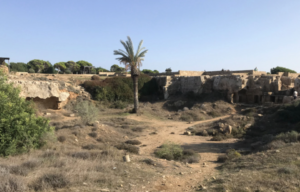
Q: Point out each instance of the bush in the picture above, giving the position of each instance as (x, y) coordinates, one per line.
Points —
(288, 137)
(233, 154)
(11, 184)
(133, 142)
(91, 146)
(87, 111)
(119, 104)
(68, 71)
(127, 147)
(222, 158)
(190, 116)
(120, 88)
(96, 78)
(50, 180)
(93, 134)
(61, 138)
(281, 69)
(169, 151)
(20, 128)
(31, 70)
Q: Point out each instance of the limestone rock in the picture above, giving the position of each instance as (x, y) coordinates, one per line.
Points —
(185, 109)
(228, 129)
(221, 125)
(247, 126)
(187, 133)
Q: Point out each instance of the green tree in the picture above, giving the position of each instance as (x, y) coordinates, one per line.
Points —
(20, 128)
(72, 66)
(116, 68)
(281, 69)
(100, 69)
(61, 66)
(18, 67)
(148, 71)
(39, 66)
(132, 61)
(82, 63)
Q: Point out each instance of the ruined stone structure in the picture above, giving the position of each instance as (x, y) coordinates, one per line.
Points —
(247, 86)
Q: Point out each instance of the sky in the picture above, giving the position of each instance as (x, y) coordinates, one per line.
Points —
(194, 35)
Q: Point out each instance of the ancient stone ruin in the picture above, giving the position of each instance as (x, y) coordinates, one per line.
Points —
(245, 86)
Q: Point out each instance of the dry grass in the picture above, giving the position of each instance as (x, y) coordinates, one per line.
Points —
(267, 171)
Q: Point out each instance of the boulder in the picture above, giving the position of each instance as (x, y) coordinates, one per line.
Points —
(247, 126)
(228, 129)
(185, 109)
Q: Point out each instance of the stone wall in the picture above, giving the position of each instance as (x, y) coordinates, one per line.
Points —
(257, 87)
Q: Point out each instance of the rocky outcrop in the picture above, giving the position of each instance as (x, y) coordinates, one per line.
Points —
(49, 94)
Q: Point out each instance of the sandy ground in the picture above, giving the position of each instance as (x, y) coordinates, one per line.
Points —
(186, 177)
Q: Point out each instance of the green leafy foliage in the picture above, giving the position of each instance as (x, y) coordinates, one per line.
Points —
(148, 71)
(87, 111)
(116, 68)
(100, 69)
(61, 66)
(20, 128)
(18, 67)
(39, 66)
(82, 63)
(120, 88)
(72, 66)
(31, 71)
(281, 69)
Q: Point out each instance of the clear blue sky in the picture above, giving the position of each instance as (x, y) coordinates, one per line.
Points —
(182, 34)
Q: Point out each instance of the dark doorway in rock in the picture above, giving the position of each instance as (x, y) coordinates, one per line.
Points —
(48, 103)
(272, 99)
(256, 99)
(242, 96)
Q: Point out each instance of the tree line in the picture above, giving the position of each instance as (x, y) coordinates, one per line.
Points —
(41, 66)
(69, 67)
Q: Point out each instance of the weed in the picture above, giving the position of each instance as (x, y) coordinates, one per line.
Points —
(169, 151)
(11, 184)
(93, 134)
(91, 146)
(133, 142)
(127, 147)
(222, 158)
(137, 129)
(81, 155)
(87, 111)
(19, 170)
(61, 138)
(50, 180)
(99, 139)
(94, 129)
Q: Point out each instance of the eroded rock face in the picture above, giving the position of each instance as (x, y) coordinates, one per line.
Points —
(40, 89)
(51, 94)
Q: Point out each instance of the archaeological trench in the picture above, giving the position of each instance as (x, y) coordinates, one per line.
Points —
(245, 86)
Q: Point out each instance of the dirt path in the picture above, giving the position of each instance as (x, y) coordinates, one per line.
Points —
(184, 177)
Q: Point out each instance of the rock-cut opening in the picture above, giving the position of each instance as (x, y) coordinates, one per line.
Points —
(48, 103)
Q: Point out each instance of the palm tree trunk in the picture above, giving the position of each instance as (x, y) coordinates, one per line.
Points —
(136, 93)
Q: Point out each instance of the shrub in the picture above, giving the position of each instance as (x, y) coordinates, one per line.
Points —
(169, 151)
(90, 147)
(50, 180)
(222, 158)
(233, 154)
(288, 137)
(138, 129)
(149, 161)
(61, 138)
(11, 184)
(31, 71)
(120, 88)
(287, 170)
(96, 77)
(281, 69)
(20, 128)
(68, 71)
(81, 155)
(133, 142)
(190, 116)
(93, 134)
(87, 111)
(213, 114)
(127, 147)
(119, 104)
(19, 170)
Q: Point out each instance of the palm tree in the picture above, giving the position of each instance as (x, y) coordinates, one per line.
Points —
(132, 62)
